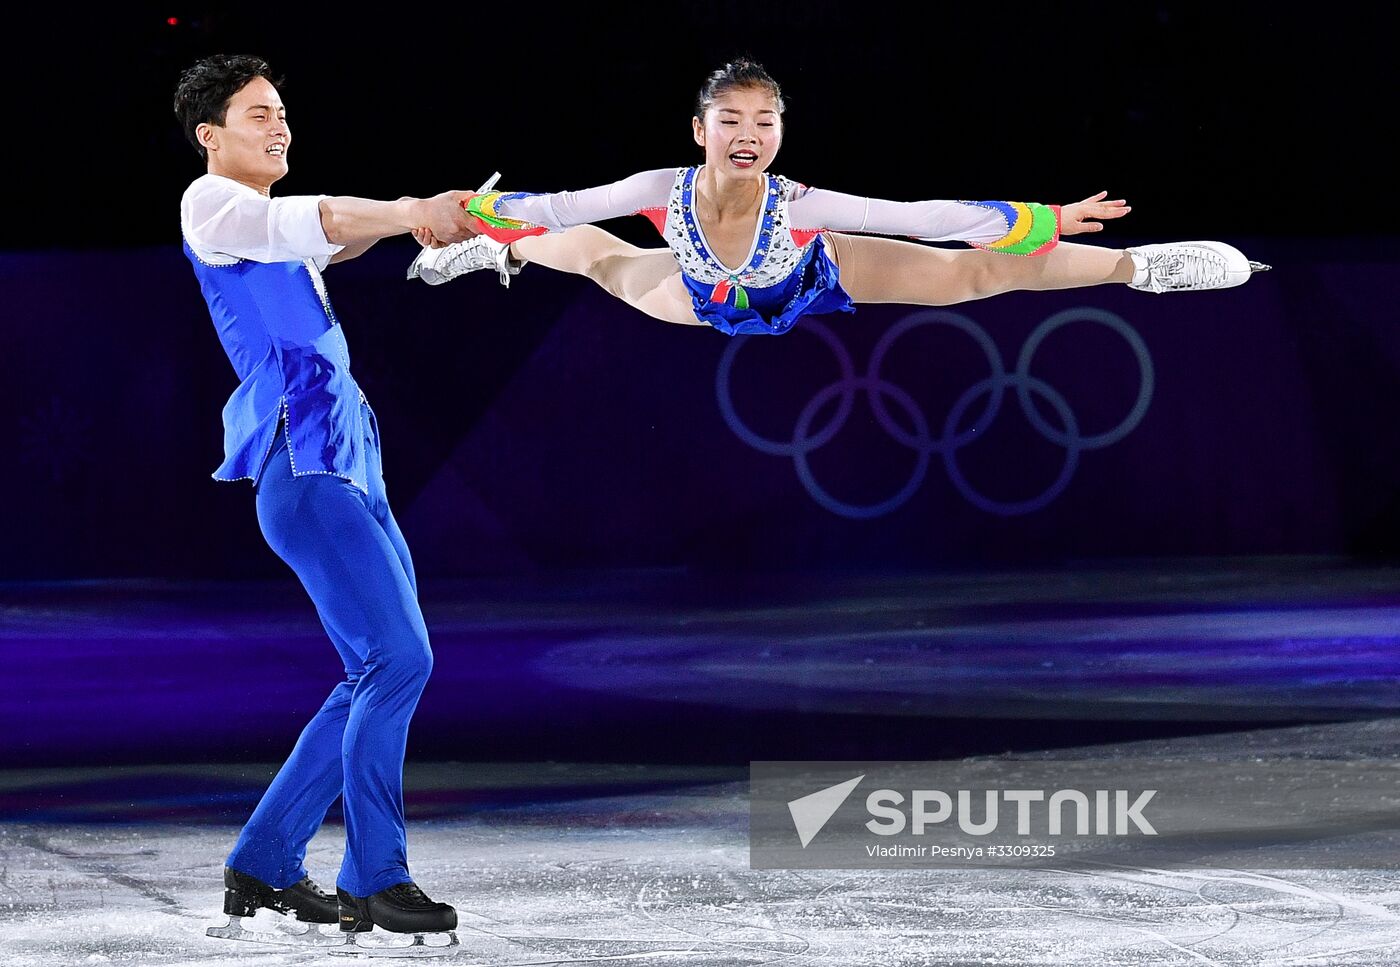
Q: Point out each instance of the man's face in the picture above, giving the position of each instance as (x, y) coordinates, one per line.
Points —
(251, 145)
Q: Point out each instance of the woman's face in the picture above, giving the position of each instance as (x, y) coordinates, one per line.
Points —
(741, 131)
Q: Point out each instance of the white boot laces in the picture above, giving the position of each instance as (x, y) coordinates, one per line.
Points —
(469, 257)
(1191, 269)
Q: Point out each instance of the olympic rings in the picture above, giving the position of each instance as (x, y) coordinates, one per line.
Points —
(777, 449)
(1145, 376)
(951, 439)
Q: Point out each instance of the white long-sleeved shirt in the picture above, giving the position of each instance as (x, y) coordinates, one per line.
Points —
(225, 220)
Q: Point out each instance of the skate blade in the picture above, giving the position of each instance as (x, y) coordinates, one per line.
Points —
(285, 936)
(365, 945)
(1259, 267)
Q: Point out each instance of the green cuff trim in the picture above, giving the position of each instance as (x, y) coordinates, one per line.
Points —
(1045, 229)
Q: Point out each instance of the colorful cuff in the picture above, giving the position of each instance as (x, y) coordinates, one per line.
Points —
(494, 225)
(1032, 229)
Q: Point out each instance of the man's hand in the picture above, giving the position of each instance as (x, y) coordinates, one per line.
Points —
(1074, 218)
(444, 216)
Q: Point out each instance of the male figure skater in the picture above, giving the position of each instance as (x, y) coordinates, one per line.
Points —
(302, 431)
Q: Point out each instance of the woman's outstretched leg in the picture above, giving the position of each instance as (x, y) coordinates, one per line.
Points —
(646, 279)
(889, 270)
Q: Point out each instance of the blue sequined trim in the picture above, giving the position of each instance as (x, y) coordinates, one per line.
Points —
(1007, 213)
(770, 212)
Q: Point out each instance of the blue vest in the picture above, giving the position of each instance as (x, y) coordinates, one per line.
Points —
(289, 352)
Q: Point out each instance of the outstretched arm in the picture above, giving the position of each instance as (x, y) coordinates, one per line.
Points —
(452, 211)
(1013, 227)
(508, 216)
(362, 222)
(223, 219)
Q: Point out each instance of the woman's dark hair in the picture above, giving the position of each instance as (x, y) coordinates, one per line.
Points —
(205, 89)
(736, 75)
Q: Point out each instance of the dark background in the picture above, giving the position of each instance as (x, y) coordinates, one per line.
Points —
(551, 427)
(1216, 118)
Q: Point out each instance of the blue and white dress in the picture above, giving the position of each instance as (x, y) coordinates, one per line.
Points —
(788, 272)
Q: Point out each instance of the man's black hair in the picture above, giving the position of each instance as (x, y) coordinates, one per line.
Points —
(205, 89)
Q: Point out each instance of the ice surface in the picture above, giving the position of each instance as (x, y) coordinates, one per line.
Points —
(658, 878)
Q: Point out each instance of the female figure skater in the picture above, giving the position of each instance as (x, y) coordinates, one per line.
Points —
(752, 252)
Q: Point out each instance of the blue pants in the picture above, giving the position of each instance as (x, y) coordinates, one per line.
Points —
(348, 552)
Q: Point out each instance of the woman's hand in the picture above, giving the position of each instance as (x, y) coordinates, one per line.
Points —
(424, 237)
(1074, 219)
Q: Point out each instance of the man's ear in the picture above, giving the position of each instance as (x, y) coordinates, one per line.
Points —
(207, 135)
